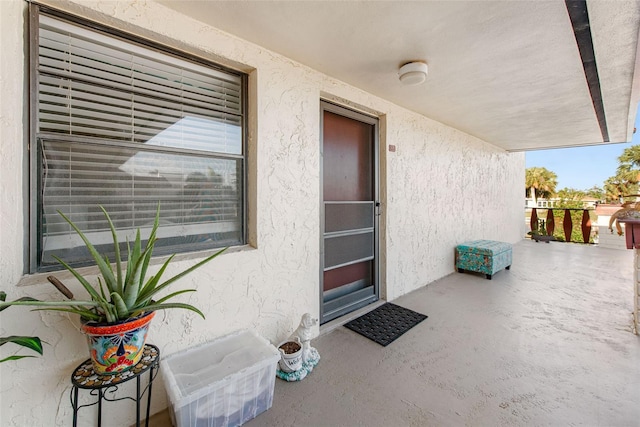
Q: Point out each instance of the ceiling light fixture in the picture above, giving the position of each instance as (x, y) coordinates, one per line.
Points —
(413, 73)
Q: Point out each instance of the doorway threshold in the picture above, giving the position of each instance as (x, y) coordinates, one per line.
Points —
(336, 323)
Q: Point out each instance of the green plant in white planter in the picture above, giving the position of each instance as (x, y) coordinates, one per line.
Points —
(124, 299)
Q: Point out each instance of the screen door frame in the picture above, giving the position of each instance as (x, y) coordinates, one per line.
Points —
(350, 297)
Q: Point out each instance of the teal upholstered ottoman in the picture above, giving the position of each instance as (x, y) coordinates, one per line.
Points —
(483, 256)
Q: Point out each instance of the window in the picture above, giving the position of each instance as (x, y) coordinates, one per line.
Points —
(125, 124)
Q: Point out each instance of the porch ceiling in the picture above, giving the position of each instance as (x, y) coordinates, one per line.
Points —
(507, 72)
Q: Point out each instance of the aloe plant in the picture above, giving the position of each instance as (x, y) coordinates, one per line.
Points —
(122, 293)
(32, 343)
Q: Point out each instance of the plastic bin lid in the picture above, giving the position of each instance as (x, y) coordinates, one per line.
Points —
(197, 370)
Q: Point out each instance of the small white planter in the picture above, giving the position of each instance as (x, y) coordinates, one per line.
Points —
(290, 362)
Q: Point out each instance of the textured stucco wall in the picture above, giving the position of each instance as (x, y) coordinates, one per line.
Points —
(440, 187)
(12, 154)
(444, 188)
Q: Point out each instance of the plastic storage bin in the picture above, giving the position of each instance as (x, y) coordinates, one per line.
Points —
(225, 382)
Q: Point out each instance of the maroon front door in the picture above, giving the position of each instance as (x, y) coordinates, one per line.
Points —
(349, 187)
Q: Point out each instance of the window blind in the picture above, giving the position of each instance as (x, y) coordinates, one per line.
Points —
(127, 127)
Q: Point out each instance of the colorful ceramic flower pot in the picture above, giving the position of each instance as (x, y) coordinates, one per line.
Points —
(117, 347)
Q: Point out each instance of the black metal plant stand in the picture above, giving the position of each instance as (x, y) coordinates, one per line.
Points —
(105, 386)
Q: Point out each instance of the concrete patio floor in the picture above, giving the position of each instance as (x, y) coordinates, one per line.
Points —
(549, 343)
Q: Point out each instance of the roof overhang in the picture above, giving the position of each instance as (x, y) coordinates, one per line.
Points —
(508, 72)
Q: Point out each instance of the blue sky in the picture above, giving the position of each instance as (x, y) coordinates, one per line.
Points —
(582, 167)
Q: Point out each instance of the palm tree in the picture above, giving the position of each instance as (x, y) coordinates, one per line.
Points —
(629, 164)
(617, 186)
(630, 158)
(540, 182)
(627, 176)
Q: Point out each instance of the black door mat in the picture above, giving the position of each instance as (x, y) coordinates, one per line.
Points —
(386, 323)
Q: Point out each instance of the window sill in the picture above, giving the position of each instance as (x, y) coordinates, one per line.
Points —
(64, 275)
